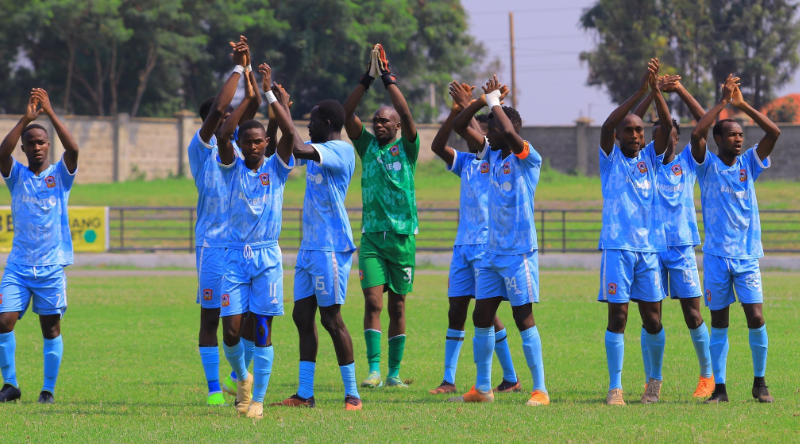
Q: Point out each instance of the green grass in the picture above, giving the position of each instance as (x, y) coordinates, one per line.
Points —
(131, 373)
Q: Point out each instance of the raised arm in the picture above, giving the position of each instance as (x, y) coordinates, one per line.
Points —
(493, 94)
(439, 144)
(694, 106)
(352, 124)
(225, 95)
(767, 143)
(663, 135)
(279, 107)
(407, 126)
(226, 154)
(700, 131)
(616, 116)
(70, 146)
(665, 84)
(462, 123)
(252, 110)
(299, 149)
(10, 141)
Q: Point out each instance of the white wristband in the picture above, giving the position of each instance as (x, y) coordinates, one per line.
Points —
(493, 99)
(248, 68)
(270, 97)
(239, 69)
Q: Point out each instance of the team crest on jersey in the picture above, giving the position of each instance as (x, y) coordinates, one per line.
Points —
(50, 181)
(208, 294)
(676, 169)
(742, 175)
(642, 167)
(708, 295)
(360, 275)
(264, 177)
(394, 150)
(226, 300)
(484, 167)
(612, 288)
(506, 168)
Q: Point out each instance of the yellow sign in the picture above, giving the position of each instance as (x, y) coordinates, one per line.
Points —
(89, 227)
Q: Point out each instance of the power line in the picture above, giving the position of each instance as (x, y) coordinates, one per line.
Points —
(526, 11)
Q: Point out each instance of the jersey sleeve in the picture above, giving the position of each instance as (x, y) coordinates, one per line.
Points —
(411, 148)
(281, 168)
(67, 178)
(656, 160)
(606, 159)
(229, 170)
(336, 160)
(363, 142)
(755, 163)
(458, 163)
(11, 179)
(486, 149)
(199, 152)
(529, 157)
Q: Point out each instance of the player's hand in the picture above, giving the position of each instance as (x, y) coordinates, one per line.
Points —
(503, 93)
(372, 72)
(239, 54)
(43, 99)
(281, 95)
(383, 67)
(461, 94)
(492, 85)
(247, 60)
(31, 113)
(731, 84)
(669, 83)
(652, 71)
(737, 99)
(266, 76)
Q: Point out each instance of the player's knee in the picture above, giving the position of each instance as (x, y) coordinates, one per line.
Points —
(481, 320)
(693, 319)
(302, 319)
(755, 320)
(7, 322)
(719, 319)
(457, 316)
(333, 323)
(617, 322)
(262, 330)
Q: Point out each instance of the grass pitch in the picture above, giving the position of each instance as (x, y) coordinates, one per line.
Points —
(131, 373)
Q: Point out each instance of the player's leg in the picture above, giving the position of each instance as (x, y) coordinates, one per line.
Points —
(747, 282)
(235, 303)
(53, 351)
(49, 296)
(648, 291)
(331, 318)
(616, 279)
(718, 283)
(210, 268)
(372, 274)
(460, 290)
(14, 299)
(510, 381)
(700, 340)
(399, 252)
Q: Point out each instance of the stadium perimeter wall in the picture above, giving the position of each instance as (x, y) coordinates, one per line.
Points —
(116, 149)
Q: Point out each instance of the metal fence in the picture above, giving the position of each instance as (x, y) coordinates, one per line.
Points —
(568, 230)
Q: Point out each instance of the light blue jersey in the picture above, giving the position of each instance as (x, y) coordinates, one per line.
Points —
(730, 209)
(631, 215)
(211, 229)
(473, 218)
(255, 202)
(39, 212)
(326, 226)
(675, 184)
(513, 186)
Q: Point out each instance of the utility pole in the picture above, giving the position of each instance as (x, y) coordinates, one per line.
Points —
(513, 65)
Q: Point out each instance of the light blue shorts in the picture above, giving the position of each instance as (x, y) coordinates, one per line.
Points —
(322, 274)
(210, 269)
(464, 269)
(679, 277)
(721, 276)
(46, 284)
(253, 282)
(630, 276)
(515, 278)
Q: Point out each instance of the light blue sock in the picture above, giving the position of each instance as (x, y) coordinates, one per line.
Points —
(452, 348)
(349, 379)
(615, 354)
(209, 356)
(759, 343)
(53, 351)
(483, 348)
(235, 356)
(645, 355)
(718, 348)
(532, 346)
(262, 368)
(700, 340)
(655, 347)
(249, 349)
(8, 346)
(306, 389)
(504, 355)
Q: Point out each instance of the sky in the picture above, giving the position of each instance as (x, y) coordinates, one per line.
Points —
(551, 81)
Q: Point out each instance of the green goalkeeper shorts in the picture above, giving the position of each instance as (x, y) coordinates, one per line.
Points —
(387, 258)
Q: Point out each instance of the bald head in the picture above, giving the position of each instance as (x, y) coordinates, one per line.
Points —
(385, 124)
(630, 121)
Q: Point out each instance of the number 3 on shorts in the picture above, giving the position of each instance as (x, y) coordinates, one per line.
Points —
(408, 271)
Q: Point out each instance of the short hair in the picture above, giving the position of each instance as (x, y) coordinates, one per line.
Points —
(32, 126)
(482, 118)
(333, 111)
(248, 125)
(205, 107)
(719, 125)
(675, 125)
(512, 114)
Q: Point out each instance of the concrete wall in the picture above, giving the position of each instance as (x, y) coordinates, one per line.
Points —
(120, 148)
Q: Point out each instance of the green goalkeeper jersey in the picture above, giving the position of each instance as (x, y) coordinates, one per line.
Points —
(387, 184)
